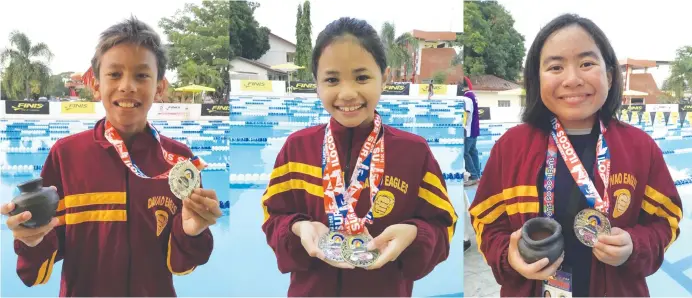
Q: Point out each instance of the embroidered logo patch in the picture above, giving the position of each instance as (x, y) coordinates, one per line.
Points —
(384, 203)
(161, 221)
(623, 202)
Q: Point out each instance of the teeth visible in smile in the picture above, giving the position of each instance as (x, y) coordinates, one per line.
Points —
(573, 98)
(351, 108)
(126, 104)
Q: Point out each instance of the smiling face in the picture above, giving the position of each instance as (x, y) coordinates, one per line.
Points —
(349, 82)
(574, 78)
(127, 85)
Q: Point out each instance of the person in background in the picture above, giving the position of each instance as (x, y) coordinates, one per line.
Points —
(471, 133)
(431, 90)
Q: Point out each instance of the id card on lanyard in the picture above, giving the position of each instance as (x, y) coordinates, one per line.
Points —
(589, 222)
(593, 221)
(183, 177)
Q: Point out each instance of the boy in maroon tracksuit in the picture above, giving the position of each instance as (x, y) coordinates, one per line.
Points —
(403, 198)
(603, 181)
(118, 232)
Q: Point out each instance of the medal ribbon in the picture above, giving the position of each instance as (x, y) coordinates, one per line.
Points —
(340, 203)
(116, 140)
(559, 141)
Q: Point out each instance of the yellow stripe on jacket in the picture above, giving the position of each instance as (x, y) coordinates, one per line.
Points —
(45, 271)
(96, 200)
(292, 184)
(435, 200)
(479, 223)
(668, 204)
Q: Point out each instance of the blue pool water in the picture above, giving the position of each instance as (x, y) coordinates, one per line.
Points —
(258, 130)
(674, 279)
(207, 139)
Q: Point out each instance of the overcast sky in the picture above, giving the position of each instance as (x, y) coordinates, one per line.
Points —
(649, 30)
(637, 30)
(71, 27)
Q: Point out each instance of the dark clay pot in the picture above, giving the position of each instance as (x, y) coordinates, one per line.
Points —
(541, 237)
(42, 202)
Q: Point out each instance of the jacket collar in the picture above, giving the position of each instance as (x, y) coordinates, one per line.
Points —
(357, 134)
(141, 142)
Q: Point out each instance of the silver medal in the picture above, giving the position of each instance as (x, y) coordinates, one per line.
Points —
(183, 179)
(355, 251)
(330, 244)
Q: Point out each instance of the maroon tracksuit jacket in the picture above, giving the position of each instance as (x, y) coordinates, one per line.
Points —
(416, 194)
(643, 201)
(119, 235)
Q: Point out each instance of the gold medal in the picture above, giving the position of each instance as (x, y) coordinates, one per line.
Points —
(590, 223)
(183, 179)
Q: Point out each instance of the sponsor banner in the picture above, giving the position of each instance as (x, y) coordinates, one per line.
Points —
(638, 108)
(483, 113)
(27, 107)
(172, 109)
(437, 89)
(303, 87)
(661, 107)
(78, 108)
(216, 109)
(397, 89)
(685, 108)
(256, 85)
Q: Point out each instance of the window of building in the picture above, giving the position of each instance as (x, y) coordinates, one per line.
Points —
(290, 57)
(503, 103)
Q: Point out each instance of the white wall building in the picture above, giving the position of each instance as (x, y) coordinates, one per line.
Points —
(280, 51)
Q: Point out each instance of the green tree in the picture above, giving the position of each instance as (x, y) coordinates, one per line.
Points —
(491, 44)
(25, 76)
(247, 38)
(85, 94)
(56, 85)
(678, 83)
(200, 51)
(399, 50)
(439, 77)
(303, 54)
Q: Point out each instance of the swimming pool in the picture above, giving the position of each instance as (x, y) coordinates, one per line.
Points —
(24, 145)
(259, 126)
(674, 279)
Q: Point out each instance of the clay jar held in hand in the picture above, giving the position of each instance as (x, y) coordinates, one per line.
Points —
(41, 201)
(541, 237)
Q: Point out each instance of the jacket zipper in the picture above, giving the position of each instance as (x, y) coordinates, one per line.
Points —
(346, 179)
(127, 222)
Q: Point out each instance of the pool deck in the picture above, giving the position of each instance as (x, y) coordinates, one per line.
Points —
(478, 278)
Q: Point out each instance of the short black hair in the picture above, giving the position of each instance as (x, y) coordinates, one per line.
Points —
(135, 32)
(361, 30)
(535, 112)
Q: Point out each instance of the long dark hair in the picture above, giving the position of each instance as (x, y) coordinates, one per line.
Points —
(535, 112)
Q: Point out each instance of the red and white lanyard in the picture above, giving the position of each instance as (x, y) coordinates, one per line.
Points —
(339, 203)
(116, 140)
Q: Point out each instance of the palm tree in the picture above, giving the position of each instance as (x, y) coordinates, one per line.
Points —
(24, 73)
(399, 50)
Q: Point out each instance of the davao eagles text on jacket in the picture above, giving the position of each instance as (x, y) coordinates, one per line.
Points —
(643, 201)
(413, 192)
(119, 234)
